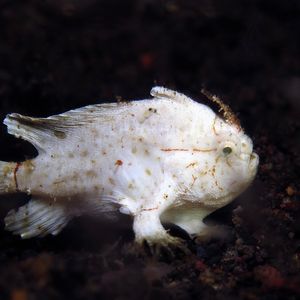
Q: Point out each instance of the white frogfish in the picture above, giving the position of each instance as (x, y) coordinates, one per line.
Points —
(164, 159)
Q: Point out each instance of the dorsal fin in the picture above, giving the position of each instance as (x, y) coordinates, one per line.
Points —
(43, 131)
(227, 112)
(162, 92)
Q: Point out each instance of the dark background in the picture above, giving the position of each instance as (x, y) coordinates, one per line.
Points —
(58, 55)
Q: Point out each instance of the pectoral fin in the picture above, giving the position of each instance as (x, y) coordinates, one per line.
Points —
(37, 219)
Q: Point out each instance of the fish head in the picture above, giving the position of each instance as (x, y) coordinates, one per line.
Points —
(235, 162)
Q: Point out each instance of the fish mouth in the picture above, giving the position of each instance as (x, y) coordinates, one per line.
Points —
(254, 158)
(253, 162)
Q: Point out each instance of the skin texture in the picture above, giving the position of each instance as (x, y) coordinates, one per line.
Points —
(163, 159)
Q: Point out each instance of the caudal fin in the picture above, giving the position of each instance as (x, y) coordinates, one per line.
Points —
(37, 218)
(6, 176)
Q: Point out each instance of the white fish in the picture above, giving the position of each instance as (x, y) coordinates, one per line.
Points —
(168, 158)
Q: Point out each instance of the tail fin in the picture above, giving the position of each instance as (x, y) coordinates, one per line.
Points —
(6, 176)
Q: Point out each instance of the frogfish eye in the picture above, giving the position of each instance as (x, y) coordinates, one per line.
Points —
(227, 150)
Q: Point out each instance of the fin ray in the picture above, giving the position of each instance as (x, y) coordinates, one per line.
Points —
(41, 131)
(37, 218)
(165, 93)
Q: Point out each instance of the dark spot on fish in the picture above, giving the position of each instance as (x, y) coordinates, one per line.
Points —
(130, 186)
(152, 109)
(118, 162)
(111, 181)
(84, 153)
(134, 150)
(91, 173)
(59, 134)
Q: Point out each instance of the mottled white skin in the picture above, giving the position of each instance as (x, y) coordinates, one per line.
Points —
(157, 159)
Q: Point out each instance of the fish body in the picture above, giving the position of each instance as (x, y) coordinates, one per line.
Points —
(167, 158)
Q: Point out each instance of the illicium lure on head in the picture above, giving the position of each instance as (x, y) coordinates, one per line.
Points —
(168, 158)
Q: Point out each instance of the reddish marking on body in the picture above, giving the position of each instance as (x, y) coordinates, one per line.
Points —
(204, 150)
(18, 164)
(213, 171)
(181, 149)
(150, 209)
(228, 164)
(217, 185)
(217, 158)
(170, 149)
(194, 180)
(118, 162)
(193, 164)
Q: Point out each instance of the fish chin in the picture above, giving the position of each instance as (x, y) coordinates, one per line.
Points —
(243, 172)
(250, 171)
